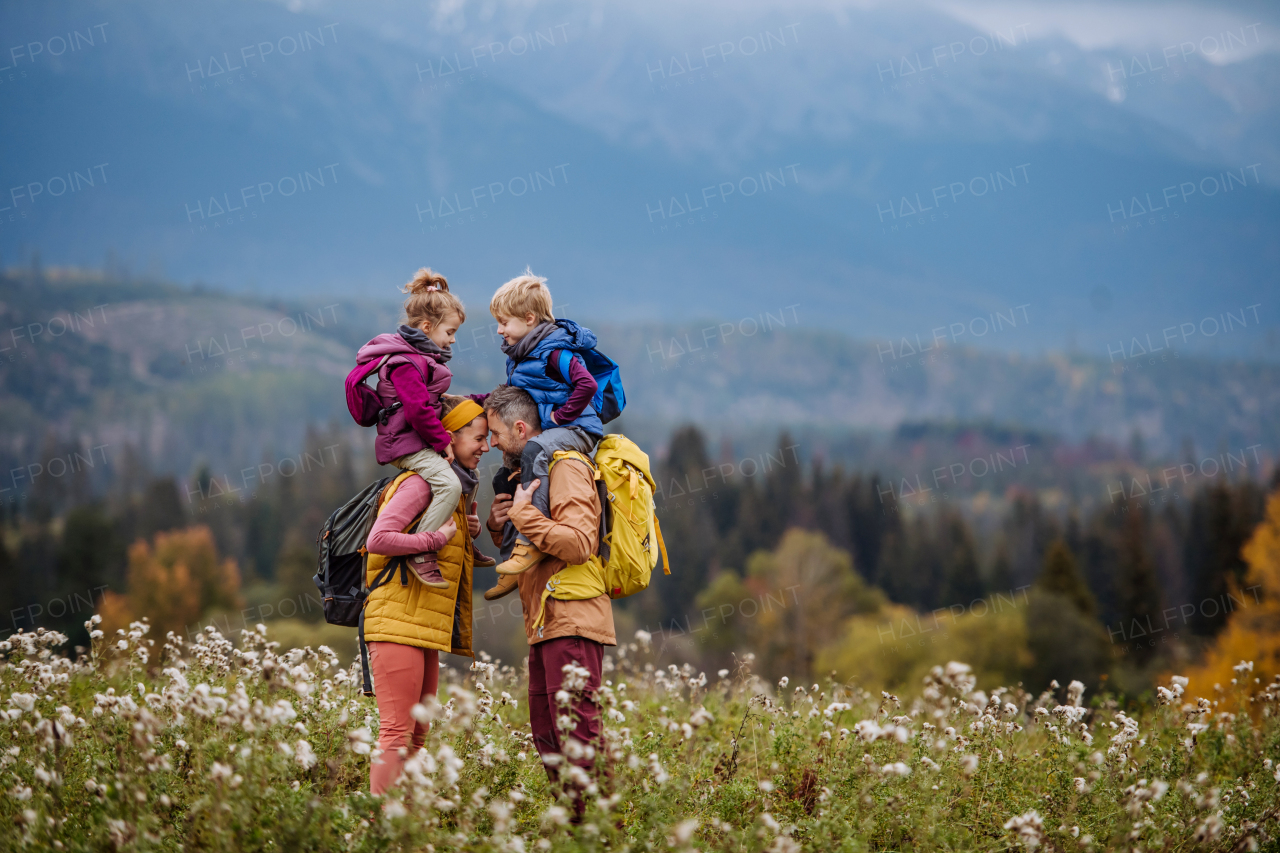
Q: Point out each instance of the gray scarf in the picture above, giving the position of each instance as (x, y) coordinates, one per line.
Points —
(521, 348)
(468, 478)
(418, 339)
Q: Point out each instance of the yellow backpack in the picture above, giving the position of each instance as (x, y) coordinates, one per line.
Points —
(633, 541)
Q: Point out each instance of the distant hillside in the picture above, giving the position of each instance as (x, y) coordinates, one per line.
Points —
(191, 377)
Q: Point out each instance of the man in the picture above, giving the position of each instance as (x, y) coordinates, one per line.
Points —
(574, 632)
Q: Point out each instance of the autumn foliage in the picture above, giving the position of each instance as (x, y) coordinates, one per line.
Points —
(173, 581)
(1252, 634)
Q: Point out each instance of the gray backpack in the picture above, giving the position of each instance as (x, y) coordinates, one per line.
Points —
(341, 573)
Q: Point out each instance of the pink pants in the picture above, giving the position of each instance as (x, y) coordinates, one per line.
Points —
(403, 676)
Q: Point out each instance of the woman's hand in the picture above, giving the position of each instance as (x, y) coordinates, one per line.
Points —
(448, 453)
(473, 521)
(449, 528)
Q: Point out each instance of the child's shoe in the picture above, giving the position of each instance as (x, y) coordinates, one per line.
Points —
(523, 558)
(506, 584)
(428, 570)
(482, 560)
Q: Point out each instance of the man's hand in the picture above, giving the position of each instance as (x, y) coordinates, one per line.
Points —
(499, 512)
(473, 521)
(524, 494)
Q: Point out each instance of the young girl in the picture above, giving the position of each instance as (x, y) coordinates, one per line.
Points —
(412, 368)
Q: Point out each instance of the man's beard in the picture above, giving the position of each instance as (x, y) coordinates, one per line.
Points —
(511, 463)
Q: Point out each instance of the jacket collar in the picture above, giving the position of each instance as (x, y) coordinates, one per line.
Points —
(418, 339)
(522, 348)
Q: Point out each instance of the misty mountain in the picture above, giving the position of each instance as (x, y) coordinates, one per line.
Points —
(654, 164)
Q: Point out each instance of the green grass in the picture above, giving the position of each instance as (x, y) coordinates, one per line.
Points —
(174, 746)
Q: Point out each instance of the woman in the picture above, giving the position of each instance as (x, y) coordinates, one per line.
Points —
(406, 623)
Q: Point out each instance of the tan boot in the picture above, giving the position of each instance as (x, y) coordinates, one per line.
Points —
(523, 558)
(506, 584)
(482, 560)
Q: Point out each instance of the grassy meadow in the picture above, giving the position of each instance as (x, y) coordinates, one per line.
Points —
(145, 743)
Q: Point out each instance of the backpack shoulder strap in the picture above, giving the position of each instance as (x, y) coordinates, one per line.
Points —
(662, 546)
(565, 365)
(602, 493)
(391, 488)
(573, 454)
(395, 360)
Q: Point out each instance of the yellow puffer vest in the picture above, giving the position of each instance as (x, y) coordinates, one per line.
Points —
(414, 614)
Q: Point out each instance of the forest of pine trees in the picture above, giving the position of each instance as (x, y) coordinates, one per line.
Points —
(1108, 578)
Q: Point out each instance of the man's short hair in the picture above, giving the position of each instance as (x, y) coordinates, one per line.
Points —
(510, 404)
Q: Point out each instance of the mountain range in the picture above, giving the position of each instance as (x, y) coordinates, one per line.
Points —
(889, 169)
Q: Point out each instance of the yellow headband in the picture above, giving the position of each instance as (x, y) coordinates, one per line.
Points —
(463, 414)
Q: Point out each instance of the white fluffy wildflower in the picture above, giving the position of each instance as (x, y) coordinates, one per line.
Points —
(574, 677)
(683, 832)
(1123, 739)
(23, 701)
(1210, 829)
(304, 755)
(450, 765)
(359, 740)
(660, 776)
(1137, 796)
(1030, 828)
(555, 816)
(969, 765)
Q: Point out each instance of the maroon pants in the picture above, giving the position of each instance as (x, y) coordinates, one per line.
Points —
(546, 663)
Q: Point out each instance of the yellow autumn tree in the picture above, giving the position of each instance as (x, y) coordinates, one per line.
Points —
(173, 581)
(1252, 632)
(805, 588)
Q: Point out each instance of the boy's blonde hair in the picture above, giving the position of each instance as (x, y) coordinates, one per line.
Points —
(524, 294)
(430, 300)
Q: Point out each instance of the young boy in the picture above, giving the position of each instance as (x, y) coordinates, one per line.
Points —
(544, 358)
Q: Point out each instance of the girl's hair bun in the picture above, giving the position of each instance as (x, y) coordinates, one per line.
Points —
(427, 280)
(429, 299)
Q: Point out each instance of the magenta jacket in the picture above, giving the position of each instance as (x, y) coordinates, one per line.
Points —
(416, 380)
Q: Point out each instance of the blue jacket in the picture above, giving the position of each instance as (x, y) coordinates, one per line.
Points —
(529, 371)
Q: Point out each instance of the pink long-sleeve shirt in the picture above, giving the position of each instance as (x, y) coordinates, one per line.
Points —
(411, 497)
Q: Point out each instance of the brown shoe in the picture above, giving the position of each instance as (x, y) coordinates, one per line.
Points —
(506, 584)
(523, 558)
(428, 570)
(483, 560)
